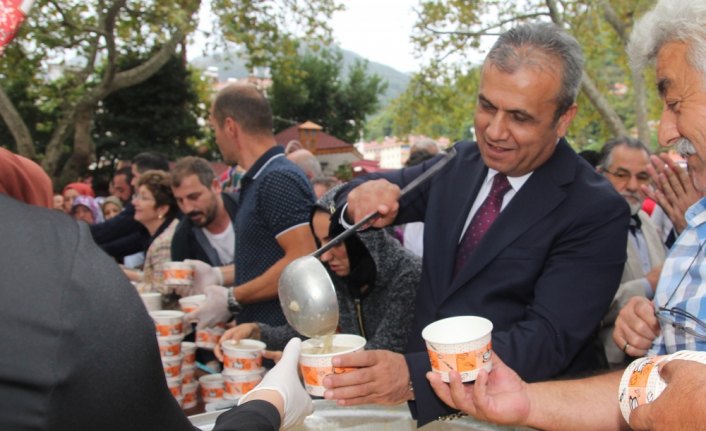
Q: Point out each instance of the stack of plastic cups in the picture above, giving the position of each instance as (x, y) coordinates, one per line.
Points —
(242, 366)
(188, 368)
(170, 333)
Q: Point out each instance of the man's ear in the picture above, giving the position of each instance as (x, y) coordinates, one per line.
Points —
(565, 120)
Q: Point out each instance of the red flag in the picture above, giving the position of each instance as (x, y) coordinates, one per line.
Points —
(12, 13)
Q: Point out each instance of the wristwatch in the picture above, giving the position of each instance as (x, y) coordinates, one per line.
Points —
(233, 304)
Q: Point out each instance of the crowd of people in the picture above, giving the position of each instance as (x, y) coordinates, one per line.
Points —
(581, 267)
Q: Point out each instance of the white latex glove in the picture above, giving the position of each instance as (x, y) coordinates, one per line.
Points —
(284, 378)
(204, 275)
(214, 310)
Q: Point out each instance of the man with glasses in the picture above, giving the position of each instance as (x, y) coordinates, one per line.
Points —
(624, 163)
(674, 35)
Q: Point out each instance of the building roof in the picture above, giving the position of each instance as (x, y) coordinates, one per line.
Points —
(325, 141)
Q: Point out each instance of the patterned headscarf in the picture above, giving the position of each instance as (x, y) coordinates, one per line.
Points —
(91, 204)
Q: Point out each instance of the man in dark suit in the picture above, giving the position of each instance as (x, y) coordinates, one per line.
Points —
(518, 229)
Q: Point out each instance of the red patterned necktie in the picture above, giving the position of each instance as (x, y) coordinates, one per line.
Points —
(482, 220)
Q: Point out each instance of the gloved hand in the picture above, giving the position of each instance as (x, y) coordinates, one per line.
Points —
(284, 378)
(214, 310)
(204, 275)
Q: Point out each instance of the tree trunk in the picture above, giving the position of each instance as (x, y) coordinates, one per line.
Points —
(83, 145)
(641, 120)
(615, 124)
(18, 128)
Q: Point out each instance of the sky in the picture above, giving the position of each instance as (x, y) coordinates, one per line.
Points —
(378, 30)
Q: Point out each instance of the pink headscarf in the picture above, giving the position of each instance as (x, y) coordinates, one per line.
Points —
(24, 180)
(82, 189)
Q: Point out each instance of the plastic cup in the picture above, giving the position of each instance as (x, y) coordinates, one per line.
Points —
(641, 382)
(172, 365)
(460, 343)
(189, 391)
(168, 322)
(239, 383)
(178, 274)
(316, 366)
(212, 387)
(152, 300)
(169, 345)
(174, 385)
(243, 355)
(208, 338)
(189, 350)
(192, 303)
(188, 373)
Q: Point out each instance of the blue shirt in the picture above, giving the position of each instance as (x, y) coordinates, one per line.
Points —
(275, 196)
(682, 279)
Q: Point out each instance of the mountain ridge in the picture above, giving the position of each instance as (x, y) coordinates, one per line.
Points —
(234, 67)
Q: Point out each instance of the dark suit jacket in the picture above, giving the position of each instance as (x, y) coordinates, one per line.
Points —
(79, 351)
(544, 274)
(122, 235)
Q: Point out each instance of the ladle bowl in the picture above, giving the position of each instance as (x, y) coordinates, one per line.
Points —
(310, 306)
(306, 291)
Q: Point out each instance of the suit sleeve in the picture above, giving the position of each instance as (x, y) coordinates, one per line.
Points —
(256, 415)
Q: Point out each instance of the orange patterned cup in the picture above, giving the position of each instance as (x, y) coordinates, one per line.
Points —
(178, 274)
(243, 355)
(212, 387)
(641, 382)
(239, 383)
(315, 366)
(168, 322)
(460, 343)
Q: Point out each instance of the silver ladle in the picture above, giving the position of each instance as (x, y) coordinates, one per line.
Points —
(306, 291)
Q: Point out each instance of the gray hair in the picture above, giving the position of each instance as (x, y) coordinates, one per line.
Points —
(428, 144)
(510, 53)
(670, 21)
(622, 141)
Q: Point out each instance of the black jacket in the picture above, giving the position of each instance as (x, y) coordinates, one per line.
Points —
(189, 242)
(122, 235)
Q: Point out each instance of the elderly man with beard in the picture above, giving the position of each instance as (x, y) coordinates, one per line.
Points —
(674, 35)
(624, 162)
(206, 233)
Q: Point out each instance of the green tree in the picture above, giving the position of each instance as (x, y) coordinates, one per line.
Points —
(312, 87)
(160, 114)
(450, 29)
(88, 41)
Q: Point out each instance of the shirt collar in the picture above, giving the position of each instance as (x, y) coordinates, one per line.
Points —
(696, 218)
(515, 182)
(262, 163)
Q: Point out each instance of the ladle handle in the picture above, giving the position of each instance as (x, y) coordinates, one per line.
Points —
(450, 154)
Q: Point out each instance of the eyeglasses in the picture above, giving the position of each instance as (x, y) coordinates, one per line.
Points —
(143, 198)
(680, 319)
(624, 176)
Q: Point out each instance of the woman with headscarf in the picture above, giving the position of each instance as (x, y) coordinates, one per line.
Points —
(156, 209)
(85, 208)
(24, 180)
(376, 280)
(72, 190)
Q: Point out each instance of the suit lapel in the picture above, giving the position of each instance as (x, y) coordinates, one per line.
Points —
(456, 199)
(539, 196)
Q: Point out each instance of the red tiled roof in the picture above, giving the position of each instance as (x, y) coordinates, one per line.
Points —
(324, 142)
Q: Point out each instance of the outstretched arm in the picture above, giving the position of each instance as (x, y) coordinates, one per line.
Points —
(502, 397)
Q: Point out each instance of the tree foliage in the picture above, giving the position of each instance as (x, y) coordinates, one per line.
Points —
(67, 59)
(161, 114)
(313, 87)
(452, 31)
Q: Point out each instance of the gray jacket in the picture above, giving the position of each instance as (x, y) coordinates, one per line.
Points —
(385, 314)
